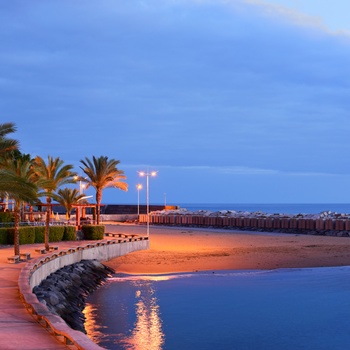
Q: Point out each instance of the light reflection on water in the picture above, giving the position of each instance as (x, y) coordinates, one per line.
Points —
(281, 309)
(137, 331)
(147, 332)
(91, 326)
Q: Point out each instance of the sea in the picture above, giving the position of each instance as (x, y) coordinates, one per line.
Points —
(285, 309)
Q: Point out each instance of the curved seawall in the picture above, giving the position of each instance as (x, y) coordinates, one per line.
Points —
(37, 270)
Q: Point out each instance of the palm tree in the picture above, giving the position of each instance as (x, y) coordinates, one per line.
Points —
(7, 144)
(50, 177)
(9, 182)
(13, 185)
(21, 168)
(68, 197)
(102, 173)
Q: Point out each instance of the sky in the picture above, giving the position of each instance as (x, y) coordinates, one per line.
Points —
(230, 101)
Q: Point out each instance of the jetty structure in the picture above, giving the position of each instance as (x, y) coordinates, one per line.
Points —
(325, 223)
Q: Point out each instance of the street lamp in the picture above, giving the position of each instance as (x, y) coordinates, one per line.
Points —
(138, 187)
(143, 173)
(81, 184)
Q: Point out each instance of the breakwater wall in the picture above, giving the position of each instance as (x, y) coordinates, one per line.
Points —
(331, 226)
(39, 269)
(64, 292)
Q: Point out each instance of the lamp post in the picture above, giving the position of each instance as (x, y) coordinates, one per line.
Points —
(152, 173)
(81, 191)
(138, 187)
(81, 185)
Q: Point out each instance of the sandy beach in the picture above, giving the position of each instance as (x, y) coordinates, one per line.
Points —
(175, 249)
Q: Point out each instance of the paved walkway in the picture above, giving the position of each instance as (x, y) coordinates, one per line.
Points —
(18, 329)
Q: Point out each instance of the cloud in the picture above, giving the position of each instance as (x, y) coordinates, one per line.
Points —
(227, 170)
(244, 87)
(296, 17)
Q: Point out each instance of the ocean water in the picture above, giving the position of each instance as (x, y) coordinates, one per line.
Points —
(285, 309)
(286, 208)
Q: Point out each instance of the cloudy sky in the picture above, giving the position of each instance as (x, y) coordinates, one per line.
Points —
(231, 101)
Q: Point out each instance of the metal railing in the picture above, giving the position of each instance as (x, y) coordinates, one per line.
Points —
(36, 223)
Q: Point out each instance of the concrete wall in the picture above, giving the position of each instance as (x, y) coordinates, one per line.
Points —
(101, 252)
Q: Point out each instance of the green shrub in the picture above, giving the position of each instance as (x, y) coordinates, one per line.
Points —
(10, 235)
(26, 235)
(56, 233)
(6, 217)
(93, 232)
(39, 234)
(69, 233)
(3, 235)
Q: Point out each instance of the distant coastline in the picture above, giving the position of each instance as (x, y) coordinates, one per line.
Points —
(271, 208)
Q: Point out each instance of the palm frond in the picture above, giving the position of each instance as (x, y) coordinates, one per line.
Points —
(7, 144)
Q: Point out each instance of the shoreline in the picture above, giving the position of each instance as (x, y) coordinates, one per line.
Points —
(187, 250)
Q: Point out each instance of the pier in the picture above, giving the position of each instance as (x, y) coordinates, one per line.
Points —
(331, 225)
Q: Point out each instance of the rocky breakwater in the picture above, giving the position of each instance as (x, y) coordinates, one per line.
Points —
(64, 292)
(324, 223)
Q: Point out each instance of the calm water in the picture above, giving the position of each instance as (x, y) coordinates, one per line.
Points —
(242, 310)
(293, 208)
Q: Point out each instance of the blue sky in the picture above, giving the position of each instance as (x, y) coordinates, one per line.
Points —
(243, 101)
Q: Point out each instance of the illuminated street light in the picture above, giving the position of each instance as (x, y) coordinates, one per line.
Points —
(143, 173)
(138, 187)
(81, 184)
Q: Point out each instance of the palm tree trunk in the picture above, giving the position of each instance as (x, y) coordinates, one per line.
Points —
(31, 216)
(98, 201)
(47, 224)
(16, 229)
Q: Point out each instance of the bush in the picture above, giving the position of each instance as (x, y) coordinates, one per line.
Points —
(6, 217)
(69, 233)
(26, 235)
(39, 234)
(56, 233)
(93, 232)
(3, 235)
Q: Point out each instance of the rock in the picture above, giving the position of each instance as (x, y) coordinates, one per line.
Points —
(64, 292)
(53, 299)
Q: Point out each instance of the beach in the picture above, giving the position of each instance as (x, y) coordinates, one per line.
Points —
(176, 249)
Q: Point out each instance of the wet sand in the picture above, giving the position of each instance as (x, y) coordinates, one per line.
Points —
(190, 249)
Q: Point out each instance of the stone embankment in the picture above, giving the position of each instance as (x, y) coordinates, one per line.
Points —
(64, 292)
(325, 223)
